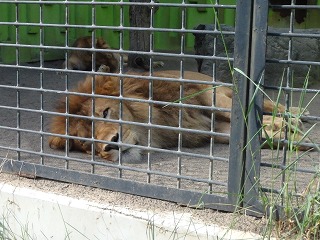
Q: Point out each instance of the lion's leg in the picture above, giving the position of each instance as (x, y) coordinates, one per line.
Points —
(270, 106)
(223, 99)
(274, 128)
(58, 123)
(58, 126)
(77, 127)
(222, 127)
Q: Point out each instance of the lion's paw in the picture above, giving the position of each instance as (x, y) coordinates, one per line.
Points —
(104, 68)
(158, 64)
(296, 111)
(58, 143)
(275, 129)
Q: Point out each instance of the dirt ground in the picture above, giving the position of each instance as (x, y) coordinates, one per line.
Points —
(193, 167)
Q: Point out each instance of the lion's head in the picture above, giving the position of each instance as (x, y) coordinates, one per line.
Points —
(109, 133)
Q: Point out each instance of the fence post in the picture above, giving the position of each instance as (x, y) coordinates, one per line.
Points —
(239, 103)
(249, 57)
(255, 115)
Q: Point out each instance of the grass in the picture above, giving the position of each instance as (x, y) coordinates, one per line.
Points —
(301, 213)
(6, 232)
(301, 218)
(301, 209)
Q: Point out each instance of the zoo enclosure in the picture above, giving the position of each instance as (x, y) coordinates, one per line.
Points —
(192, 178)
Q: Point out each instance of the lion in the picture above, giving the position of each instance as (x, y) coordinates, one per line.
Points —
(138, 115)
(82, 59)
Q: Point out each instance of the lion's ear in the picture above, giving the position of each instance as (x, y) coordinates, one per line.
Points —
(107, 113)
(104, 68)
(100, 43)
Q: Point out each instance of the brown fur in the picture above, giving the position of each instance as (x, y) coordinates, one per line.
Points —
(82, 59)
(134, 111)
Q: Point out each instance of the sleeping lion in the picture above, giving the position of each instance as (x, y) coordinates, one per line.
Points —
(110, 136)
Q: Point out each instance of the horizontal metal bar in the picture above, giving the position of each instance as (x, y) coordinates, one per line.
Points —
(302, 117)
(114, 28)
(125, 144)
(117, 28)
(121, 3)
(293, 168)
(280, 192)
(79, 160)
(186, 197)
(117, 166)
(93, 118)
(292, 89)
(291, 62)
(295, 34)
(113, 165)
(294, 6)
(164, 104)
(127, 75)
(295, 143)
(150, 54)
(93, 96)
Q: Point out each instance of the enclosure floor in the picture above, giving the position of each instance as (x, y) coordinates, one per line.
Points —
(160, 161)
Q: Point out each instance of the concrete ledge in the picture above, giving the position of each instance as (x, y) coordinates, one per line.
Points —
(42, 215)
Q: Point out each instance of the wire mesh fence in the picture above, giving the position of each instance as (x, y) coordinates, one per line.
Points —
(73, 109)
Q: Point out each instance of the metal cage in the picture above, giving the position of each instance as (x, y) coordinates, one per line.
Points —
(38, 36)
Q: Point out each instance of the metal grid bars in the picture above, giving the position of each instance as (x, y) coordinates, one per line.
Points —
(34, 80)
(280, 65)
(296, 81)
(95, 70)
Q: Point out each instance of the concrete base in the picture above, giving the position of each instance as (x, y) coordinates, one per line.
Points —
(32, 214)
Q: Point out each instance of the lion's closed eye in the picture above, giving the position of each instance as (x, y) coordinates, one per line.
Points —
(106, 113)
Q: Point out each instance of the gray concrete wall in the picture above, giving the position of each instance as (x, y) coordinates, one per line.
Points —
(303, 49)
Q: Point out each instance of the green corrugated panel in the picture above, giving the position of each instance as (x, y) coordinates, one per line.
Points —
(6, 31)
(110, 16)
(196, 16)
(311, 19)
(165, 17)
(7, 15)
(30, 35)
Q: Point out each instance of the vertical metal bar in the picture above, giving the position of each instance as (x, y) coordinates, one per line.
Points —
(212, 127)
(93, 37)
(67, 14)
(67, 18)
(93, 69)
(238, 138)
(150, 93)
(121, 43)
(287, 97)
(180, 124)
(255, 112)
(121, 92)
(151, 35)
(149, 130)
(41, 83)
(18, 81)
